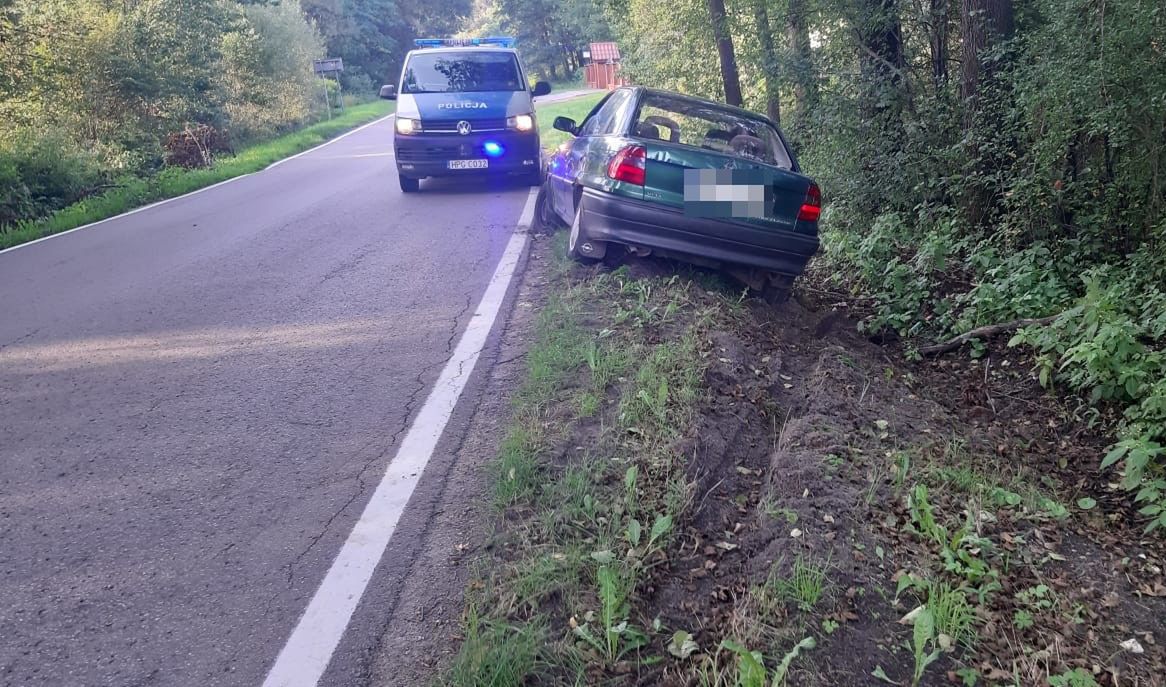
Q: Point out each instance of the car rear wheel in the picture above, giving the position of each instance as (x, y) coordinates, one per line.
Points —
(577, 239)
(409, 184)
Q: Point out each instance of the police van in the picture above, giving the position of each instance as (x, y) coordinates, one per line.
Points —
(465, 106)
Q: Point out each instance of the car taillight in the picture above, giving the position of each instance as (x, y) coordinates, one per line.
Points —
(628, 165)
(812, 205)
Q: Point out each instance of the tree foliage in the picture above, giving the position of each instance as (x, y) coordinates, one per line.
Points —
(95, 90)
(982, 160)
(551, 34)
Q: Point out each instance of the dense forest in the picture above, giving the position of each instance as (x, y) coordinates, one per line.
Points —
(93, 91)
(983, 161)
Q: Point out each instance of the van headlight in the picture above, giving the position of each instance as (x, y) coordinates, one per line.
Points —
(522, 122)
(408, 126)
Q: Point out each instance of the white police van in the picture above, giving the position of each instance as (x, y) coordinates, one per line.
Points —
(465, 106)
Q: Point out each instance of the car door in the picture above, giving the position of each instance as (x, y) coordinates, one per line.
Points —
(603, 121)
(560, 174)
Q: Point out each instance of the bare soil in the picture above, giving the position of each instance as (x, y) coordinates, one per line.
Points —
(807, 447)
(797, 453)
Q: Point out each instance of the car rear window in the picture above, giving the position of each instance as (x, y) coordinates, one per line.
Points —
(462, 72)
(700, 125)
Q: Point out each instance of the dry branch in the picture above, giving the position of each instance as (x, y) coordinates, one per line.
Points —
(984, 332)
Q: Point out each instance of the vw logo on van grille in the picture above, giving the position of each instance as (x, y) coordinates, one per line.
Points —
(464, 128)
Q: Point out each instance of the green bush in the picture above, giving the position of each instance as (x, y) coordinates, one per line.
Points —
(45, 173)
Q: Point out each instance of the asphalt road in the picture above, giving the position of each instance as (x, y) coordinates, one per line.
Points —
(197, 400)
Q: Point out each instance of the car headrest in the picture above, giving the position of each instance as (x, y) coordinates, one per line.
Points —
(669, 124)
(718, 140)
(646, 130)
(748, 145)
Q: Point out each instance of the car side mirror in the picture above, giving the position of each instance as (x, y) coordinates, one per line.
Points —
(566, 124)
(389, 92)
(541, 88)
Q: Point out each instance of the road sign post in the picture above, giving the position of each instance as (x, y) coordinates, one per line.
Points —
(322, 68)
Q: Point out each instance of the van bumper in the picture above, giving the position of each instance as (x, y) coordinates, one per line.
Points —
(428, 155)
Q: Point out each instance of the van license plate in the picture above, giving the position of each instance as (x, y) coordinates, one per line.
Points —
(468, 164)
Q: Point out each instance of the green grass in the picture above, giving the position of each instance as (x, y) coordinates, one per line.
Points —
(172, 182)
(580, 541)
(804, 587)
(575, 108)
(495, 654)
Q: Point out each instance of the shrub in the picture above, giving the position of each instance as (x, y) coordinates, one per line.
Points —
(40, 174)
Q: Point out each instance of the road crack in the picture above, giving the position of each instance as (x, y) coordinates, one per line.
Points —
(419, 386)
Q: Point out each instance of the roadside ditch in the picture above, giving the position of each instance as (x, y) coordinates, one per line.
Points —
(699, 489)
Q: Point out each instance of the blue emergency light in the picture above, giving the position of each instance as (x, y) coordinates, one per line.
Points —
(493, 149)
(499, 41)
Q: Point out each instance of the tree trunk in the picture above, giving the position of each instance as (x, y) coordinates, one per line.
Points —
(770, 65)
(983, 24)
(798, 36)
(729, 76)
(938, 16)
(881, 58)
(884, 41)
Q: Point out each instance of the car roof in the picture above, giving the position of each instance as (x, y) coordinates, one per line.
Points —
(750, 114)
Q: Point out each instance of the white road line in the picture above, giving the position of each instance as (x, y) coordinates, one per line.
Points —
(330, 142)
(192, 193)
(309, 649)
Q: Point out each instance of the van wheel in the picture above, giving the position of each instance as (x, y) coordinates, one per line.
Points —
(577, 239)
(409, 184)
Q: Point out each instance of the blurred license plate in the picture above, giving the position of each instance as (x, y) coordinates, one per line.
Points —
(468, 164)
(726, 193)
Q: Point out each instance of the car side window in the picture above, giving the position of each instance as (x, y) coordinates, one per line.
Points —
(587, 126)
(604, 119)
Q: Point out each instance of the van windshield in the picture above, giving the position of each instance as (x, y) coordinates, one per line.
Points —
(462, 72)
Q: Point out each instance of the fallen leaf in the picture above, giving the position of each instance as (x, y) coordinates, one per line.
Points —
(945, 642)
(1133, 646)
(1157, 590)
(909, 619)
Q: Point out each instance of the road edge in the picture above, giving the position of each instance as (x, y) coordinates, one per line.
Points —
(215, 185)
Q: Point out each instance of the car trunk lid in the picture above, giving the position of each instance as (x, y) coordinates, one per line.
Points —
(708, 183)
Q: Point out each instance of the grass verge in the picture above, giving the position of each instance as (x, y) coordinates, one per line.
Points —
(575, 108)
(173, 182)
(698, 491)
(587, 525)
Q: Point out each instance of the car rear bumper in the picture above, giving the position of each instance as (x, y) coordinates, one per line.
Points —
(611, 218)
(429, 155)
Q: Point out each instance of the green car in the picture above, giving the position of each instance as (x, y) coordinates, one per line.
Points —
(654, 172)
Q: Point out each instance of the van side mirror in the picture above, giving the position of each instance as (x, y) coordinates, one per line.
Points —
(541, 88)
(389, 92)
(566, 124)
